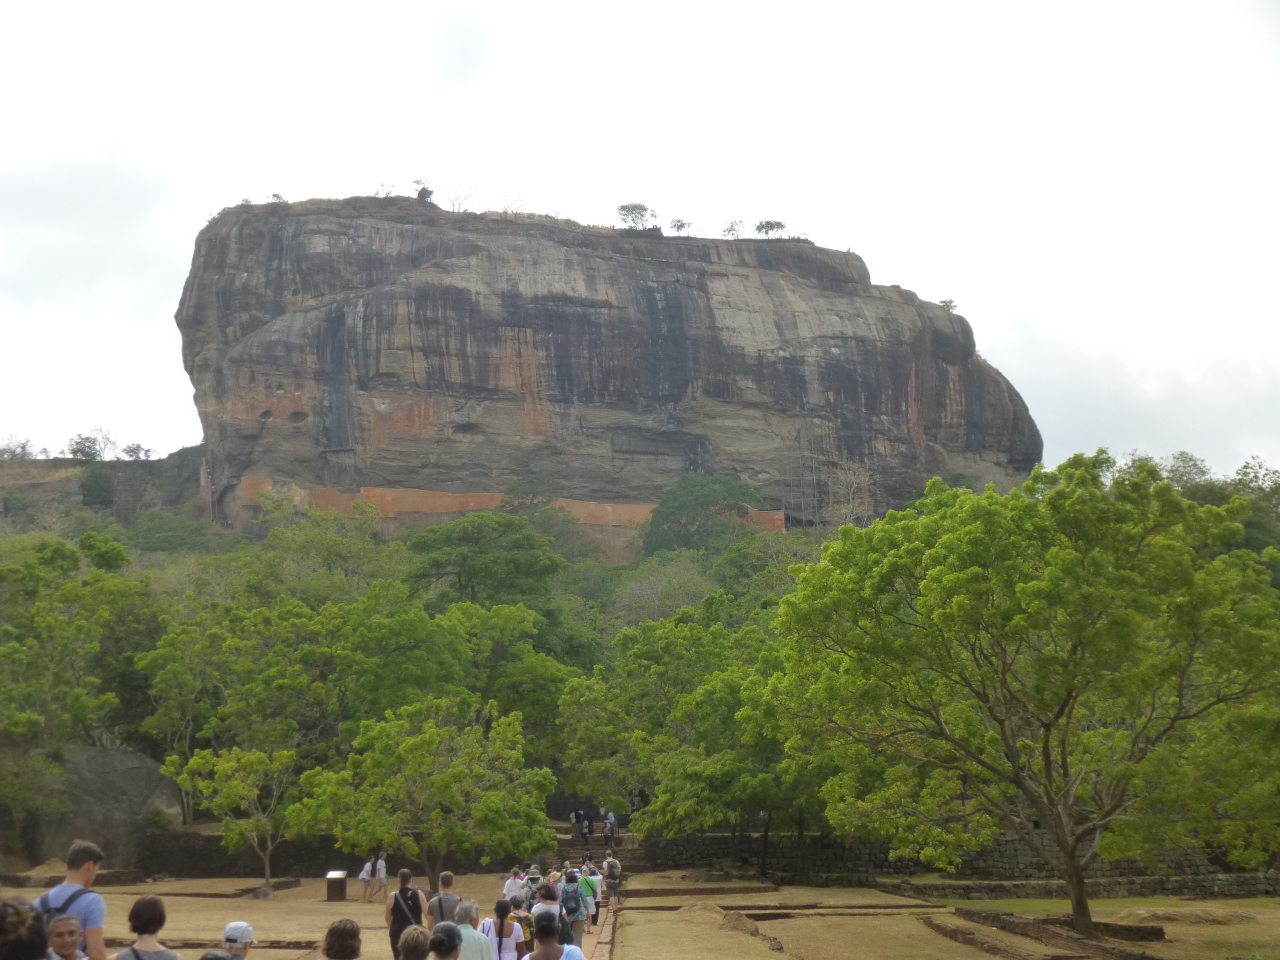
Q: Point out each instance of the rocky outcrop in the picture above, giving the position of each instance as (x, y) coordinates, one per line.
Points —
(383, 342)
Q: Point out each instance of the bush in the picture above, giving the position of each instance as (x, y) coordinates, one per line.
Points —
(156, 530)
(97, 487)
(700, 513)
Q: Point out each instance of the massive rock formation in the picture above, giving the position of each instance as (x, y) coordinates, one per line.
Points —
(383, 342)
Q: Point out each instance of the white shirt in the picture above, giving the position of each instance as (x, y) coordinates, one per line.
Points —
(382, 870)
(514, 887)
(367, 871)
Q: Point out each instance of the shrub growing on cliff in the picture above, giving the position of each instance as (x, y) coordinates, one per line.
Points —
(636, 215)
(700, 513)
(1039, 662)
(770, 228)
(97, 487)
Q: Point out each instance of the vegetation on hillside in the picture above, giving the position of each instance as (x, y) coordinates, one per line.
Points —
(1088, 661)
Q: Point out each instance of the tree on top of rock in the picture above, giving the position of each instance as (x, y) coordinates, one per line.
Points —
(636, 215)
(770, 228)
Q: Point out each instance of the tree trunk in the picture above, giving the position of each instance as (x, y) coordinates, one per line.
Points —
(1081, 917)
(764, 853)
(265, 853)
(431, 869)
(802, 866)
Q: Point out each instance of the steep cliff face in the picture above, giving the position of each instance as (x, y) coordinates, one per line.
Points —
(386, 343)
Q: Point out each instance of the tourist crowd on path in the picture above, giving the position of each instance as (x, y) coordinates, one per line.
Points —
(536, 918)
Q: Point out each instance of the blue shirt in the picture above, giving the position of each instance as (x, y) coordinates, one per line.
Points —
(90, 909)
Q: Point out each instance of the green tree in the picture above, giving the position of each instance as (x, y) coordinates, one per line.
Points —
(484, 557)
(97, 486)
(636, 215)
(432, 779)
(250, 791)
(700, 512)
(770, 228)
(96, 445)
(680, 226)
(1030, 661)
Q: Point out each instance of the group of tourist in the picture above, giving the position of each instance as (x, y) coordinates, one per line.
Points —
(537, 918)
(584, 821)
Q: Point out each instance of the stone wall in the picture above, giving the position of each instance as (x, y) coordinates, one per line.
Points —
(1200, 885)
(861, 861)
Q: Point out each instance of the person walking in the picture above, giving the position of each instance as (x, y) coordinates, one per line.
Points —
(366, 878)
(546, 933)
(64, 938)
(381, 872)
(574, 905)
(342, 940)
(446, 941)
(415, 944)
(22, 932)
(531, 883)
(591, 819)
(237, 938)
(524, 921)
(504, 933)
(612, 878)
(514, 887)
(584, 827)
(592, 879)
(475, 946)
(404, 910)
(73, 897)
(146, 919)
(443, 904)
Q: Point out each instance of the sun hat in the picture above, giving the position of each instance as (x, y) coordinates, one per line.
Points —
(237, 933)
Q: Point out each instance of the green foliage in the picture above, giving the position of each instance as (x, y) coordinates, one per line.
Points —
(1028, 659)
(249, 791)
(485, 558)
(432, 779)
(157, 530)
(97, 486)
(770, 228)
(102, 552)
(636, 215)
(700, 513)
(96, 445)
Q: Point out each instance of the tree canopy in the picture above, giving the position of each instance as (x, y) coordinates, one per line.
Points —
(1027, 662)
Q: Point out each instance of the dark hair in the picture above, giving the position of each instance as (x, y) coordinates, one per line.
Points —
(216, 955)
(546, 925)
(342, 940)
(446, 879)
(82, 852)
(445, 939)
(501, 910)
(547, 892)
(517, 903)
(22, 936)
(146, 915)
(415, 943)
(405, 877)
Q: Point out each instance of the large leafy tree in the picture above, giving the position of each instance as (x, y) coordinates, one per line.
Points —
(700, 513)
(484, 557)
(1035, 661)
(250, 791)
(434, 779)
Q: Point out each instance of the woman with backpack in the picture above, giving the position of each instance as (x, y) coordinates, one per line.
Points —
(574, 905)
(504, 933)
(546, 931)
(146, 919)
(404, 910)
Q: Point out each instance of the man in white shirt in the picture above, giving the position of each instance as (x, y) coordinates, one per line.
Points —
(382, 874)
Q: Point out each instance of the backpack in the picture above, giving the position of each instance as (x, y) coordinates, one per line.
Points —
(612, 869)
(571, 898)
(566, 931)
(526, 926)
(46, 911)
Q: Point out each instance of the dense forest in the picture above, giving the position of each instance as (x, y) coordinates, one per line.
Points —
(1065, 661)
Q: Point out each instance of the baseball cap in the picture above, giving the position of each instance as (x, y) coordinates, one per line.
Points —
(237, 933)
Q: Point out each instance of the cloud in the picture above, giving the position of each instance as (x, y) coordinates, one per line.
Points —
(1083, 399)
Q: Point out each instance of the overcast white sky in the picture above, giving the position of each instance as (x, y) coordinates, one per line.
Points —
(1096, 185)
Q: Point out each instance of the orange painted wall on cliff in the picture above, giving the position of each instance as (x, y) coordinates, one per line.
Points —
(394, 502)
